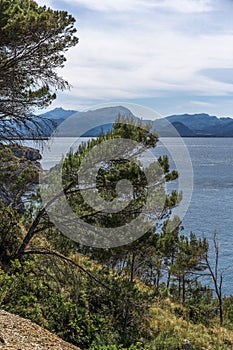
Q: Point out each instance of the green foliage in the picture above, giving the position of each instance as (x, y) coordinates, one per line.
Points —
(125, 127)
(111, 172)
(10, 234)
(17, 178)
(106, 301)
(164, 162)
(33, 40)
(166, 340)
(137, 346)
(39, 297)
(106, 298)
(189, 262)
(79, 311)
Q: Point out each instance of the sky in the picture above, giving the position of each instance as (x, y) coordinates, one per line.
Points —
(174, 56)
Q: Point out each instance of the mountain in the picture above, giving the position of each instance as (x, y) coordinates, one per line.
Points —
(42, 125)
(183, 130)
(175, 129)
(59, 113)
(92, 122)
(224, 131)
(204, 125)
(98, 129)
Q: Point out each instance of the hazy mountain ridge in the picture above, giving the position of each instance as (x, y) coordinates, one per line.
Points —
(204, 125)
(92, 122)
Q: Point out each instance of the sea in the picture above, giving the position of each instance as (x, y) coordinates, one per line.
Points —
(210, 188)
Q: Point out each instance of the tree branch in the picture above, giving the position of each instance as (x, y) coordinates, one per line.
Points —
(69, 260)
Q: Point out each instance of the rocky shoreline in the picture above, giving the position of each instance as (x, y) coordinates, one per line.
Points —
(28, 153)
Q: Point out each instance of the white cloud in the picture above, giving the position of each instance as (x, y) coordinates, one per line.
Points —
(44, 2)
(133, 64)
(202, 103)
(133, 49)
(187, 6)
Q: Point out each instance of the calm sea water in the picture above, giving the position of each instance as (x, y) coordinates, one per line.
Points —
(211, 207)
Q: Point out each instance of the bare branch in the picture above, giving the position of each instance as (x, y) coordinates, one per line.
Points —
(64, 258)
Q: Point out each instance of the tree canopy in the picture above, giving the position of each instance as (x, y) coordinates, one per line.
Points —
(33, 42)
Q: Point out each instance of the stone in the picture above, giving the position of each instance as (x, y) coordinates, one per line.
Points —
(20, 333)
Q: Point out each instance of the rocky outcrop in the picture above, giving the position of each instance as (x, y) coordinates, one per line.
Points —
(19, 333)
(26, 152)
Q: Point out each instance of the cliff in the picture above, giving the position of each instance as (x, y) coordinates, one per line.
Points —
(26, 153)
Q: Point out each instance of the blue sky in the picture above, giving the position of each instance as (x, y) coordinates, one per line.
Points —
(175, 56)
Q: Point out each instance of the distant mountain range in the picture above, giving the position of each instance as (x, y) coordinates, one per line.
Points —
(91, 123)
(202, 125)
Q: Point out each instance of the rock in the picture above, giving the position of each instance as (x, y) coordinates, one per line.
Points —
(19, 333)
(187, 345)
(26, 152)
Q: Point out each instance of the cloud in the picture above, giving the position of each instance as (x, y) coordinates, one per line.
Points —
(202, 103)
(45, 2)
(143, 49)
(186, 6)
(219, 74)
(131, 63)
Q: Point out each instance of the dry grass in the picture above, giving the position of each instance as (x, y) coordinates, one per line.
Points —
(201, 337)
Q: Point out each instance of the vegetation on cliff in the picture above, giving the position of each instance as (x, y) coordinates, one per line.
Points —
(144, 295)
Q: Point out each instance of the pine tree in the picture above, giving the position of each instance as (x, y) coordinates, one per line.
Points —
(33, 40)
